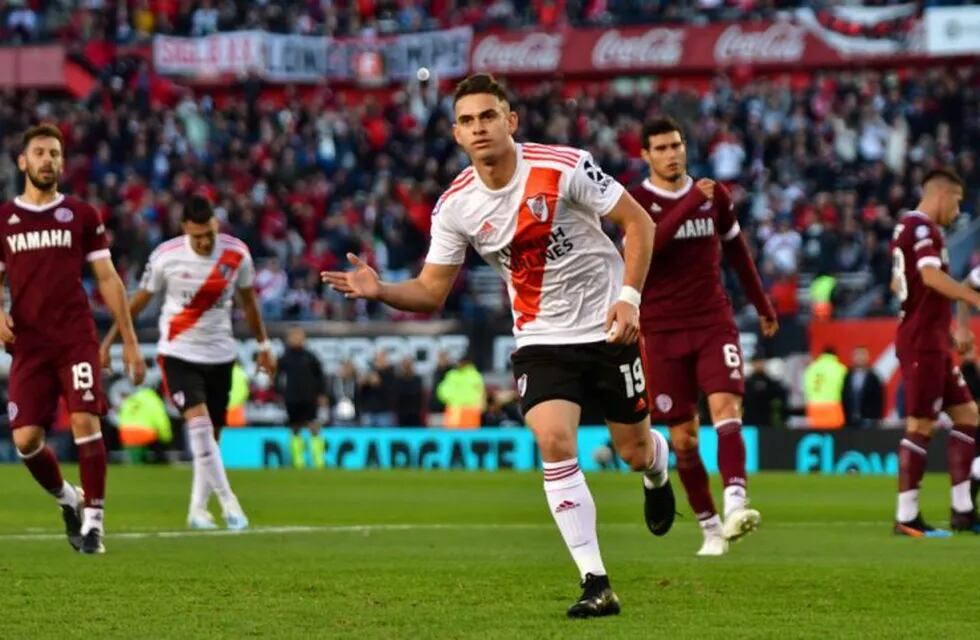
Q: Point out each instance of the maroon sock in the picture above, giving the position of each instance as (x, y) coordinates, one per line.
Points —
(43, 465)
(959, 452)
(92, 468)
(731, 452)
(911, 460)
(695, 481)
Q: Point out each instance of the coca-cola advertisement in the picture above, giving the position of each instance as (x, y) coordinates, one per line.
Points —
(533, 52)
(782, 43)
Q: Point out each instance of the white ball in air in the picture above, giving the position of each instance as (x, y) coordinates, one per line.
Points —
(422, 74)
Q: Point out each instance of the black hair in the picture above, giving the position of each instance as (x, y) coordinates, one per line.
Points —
(198, 209)
(659, 126)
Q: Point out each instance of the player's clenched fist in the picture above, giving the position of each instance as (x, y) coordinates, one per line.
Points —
(6, 328)
(707, 187)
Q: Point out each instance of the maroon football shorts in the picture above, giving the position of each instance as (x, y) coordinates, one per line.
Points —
(39, 375)
(932, 383)
(682, 362)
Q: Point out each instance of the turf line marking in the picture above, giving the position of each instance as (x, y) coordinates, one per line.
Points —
(370, 528)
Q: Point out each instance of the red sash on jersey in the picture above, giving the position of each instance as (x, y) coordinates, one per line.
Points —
(207, 295)
(538, 201)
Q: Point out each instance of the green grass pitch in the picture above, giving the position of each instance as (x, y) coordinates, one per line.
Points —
(470, 555)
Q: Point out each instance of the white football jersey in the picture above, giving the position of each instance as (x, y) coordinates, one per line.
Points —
(542, 233)
(195, 322)
(974, 278)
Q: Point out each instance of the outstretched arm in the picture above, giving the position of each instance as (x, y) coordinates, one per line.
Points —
(425, 293)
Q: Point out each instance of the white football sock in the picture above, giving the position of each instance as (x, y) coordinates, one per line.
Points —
(711, 526)
(975, 469)
(200, 489)
(908, 505)
(92, 519)
(961, 499)
(735, 498)
(656, 475)
(66, 496)
(573, 509)
(207, 458)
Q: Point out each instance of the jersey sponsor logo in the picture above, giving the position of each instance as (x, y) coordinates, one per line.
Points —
(664, 403)
(521, 387)
(33, 240)
(13, 219)
(519, 257)
(697, 228)
(538, 206)
(656, 208)
(63, 215)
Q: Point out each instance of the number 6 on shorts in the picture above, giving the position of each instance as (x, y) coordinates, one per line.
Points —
(732, 358)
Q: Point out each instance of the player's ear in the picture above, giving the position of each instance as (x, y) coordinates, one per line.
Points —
(511, 122)
(22, 161)
(456, 134)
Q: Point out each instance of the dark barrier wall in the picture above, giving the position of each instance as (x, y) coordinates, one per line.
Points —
(836, 452)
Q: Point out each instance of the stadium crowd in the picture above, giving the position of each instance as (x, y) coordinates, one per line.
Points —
(819, 170)
(24, 21)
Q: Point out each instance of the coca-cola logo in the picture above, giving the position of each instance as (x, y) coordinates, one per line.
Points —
(654, 48)
(782, 42)
(533, 52)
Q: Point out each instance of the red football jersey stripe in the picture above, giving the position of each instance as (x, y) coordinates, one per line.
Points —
(530, 244)
(206, 296)
(548, 158)
(566, 152)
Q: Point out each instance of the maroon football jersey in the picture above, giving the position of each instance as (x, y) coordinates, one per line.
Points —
(684, 288)
(926, 314)
(44, 251)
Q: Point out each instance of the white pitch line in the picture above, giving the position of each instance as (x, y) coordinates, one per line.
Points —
(370, 528)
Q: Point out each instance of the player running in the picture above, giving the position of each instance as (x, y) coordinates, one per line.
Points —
(920, 279)
(533, 212)
(200, 272)
(690, 341)
(45, 240)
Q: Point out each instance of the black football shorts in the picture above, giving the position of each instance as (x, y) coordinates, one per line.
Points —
(610, 375)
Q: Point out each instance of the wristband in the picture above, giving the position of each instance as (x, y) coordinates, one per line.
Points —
(266, 346)
(630, 295)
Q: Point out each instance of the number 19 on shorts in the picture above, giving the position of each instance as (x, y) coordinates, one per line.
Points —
(81, 376)
(635, 381)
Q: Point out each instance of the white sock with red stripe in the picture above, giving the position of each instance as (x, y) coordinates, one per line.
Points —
(207, 459)
(573, 509)
(656, 475)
